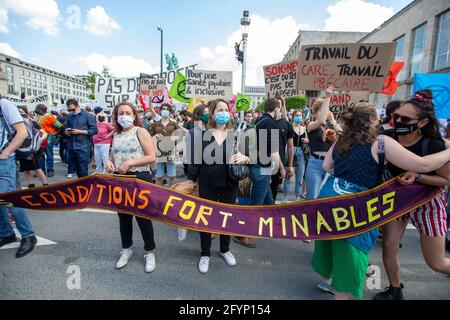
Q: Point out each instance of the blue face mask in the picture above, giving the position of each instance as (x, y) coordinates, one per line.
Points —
(222, 118)
(298, 119)
(165, 114)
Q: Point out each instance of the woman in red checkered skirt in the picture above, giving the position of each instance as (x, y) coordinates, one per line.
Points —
(416, 128)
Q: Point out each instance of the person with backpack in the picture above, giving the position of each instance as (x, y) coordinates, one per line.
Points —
(417, 130)
(50, 124)
(32, 163)
(13, 133)
(355, 163)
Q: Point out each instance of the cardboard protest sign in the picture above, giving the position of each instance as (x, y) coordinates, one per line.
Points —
(110, 91)
(281, 79)
(209, 84)
(347, 67)
(152, 87)
(170, 75)
(169, 148)
(339, 102)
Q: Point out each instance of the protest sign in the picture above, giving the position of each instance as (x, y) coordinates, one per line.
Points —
(170, 75)
(209, 84)
(169, 148)
(347, 67)
(178, 89)
(281, 79)
(152, 87)
(390, 84)
(439, 84)
(322, 219)
(30, 103)
(242, 103)
(340, 101)
(110, 91)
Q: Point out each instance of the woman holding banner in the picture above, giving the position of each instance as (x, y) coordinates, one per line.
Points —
(417, 129)
(132, 153)
(319, 129)
(354, 159)
(212, 173)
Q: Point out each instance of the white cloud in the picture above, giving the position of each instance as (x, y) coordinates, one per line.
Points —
(120, 66)
(42, 14)
(356, 15)
(6, 48)
(3, 20)
(268, 42)
(99, 23)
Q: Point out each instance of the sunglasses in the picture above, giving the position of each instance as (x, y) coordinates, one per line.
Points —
(403, 119)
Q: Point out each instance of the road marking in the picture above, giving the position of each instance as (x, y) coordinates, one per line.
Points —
(95, 210)
(40, 242)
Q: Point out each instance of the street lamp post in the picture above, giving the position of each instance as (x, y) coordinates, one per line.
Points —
(161, 30)
(245, 23)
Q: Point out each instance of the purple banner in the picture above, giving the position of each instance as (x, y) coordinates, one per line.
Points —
(330, 218)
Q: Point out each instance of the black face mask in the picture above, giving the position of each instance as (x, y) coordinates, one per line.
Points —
(101, 119)
(403, 129)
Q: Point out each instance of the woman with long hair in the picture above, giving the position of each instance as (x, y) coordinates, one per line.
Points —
(300, 140)
(132, 153)
(210, 169)
(342, 264)
(417, 129)
(321, 131)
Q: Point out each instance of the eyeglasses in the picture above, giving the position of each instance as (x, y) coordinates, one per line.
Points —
(403, 119)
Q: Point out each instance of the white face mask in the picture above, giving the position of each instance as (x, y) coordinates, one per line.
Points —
(125, 121)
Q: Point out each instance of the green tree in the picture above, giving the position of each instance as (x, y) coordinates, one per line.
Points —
(92, 75)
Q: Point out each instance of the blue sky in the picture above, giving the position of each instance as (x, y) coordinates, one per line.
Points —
(188, 27)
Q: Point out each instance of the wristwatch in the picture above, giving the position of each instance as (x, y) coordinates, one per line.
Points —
(418, 177)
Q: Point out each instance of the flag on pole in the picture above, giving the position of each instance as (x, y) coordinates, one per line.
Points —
(242, 103)
(439, 84)
(391, 84)
(177, 91)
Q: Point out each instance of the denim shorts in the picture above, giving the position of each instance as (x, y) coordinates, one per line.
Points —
(161, 169)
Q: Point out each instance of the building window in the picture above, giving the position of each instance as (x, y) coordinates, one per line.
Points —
(442, 52)
(44, 86)
(44, 78)
(9, 69)
(28, 74)
(40, 84)
(10, 88)
(51, 80)
(418, 45)
(23, 90)
(39, 77)
(34, 83)
(28, 82)
(400, 54)
(22, 72)
(28, 92)
(34, 75)
(34, 92)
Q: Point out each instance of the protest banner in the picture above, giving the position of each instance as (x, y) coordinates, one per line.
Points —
(340, 101)
(178, 89)
(321, 219)
(281, 79)
(30, 103)
(209, 84)
(347, 67)
(170, 75)
(110, 91)
(439, 84)
(242, 103)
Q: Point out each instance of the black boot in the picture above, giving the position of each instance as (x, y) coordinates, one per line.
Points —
(26, 246)
(7, 240)
(390, 293)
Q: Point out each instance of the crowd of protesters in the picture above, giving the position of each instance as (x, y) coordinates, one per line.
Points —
(302, 148)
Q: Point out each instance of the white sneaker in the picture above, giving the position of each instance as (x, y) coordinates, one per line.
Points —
(203, 265)
(125, 255)
(69, 176)
(229, 258)
(150, 263)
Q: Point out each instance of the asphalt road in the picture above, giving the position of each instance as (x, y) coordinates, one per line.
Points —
(89, 241)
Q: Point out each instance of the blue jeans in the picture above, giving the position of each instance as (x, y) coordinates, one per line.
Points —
(261, 193)
(314, 176)
(79, 161)
(46, 163)
(8, 184)
(299, 173)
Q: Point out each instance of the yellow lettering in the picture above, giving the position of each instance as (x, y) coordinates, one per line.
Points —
(225, 218)
(265, 222)
(170, 204)
(191, 205)
(283, 225)
(371, 209)
(355, 223)
(388, 198)
(341, 220)
(203, 211)
(303, 227)
(322, 222)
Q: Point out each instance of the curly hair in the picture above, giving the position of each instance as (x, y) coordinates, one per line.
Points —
(358, 127)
